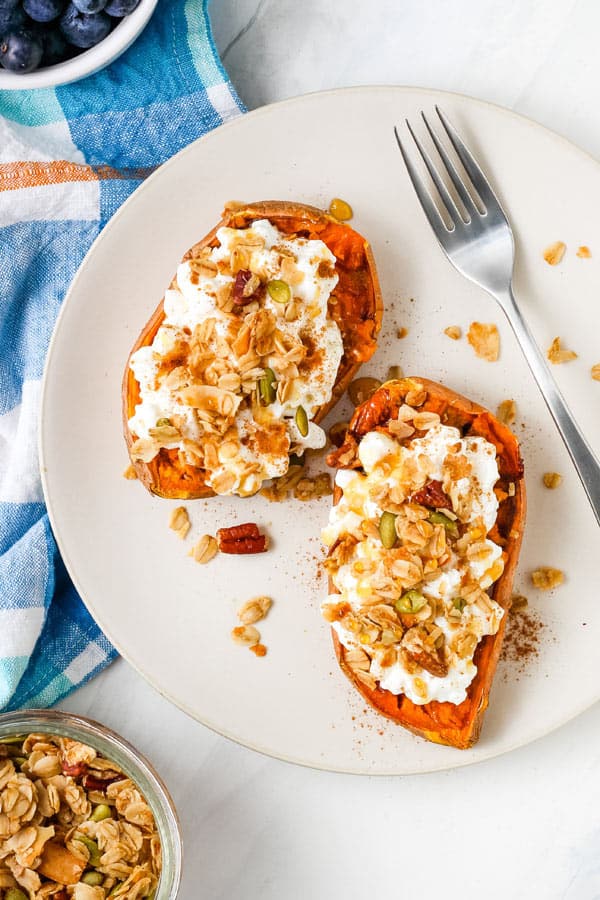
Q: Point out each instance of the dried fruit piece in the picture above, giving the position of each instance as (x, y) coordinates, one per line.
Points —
(596, 372)
(204, 550)
(545, 578)
(258, 650)
(583, 252)
(402, 332)
(552, 479)
(556, 354)
(484, 338)
(507, 412)
(246, 635)
(361, 389)
(179, 521)
(554, 253)
(254, 610)
(453, 331)
(59, 864)
(340, 210)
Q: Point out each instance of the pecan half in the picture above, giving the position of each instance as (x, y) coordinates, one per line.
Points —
(242, 539)
(237, 532)
(245, 545)
(433, 496)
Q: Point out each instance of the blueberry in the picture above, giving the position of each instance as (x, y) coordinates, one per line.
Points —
(11, 19)
(84, 30)
(43, 10)
(20, 52)
(89, 6)
(55, 47)
(120, 8)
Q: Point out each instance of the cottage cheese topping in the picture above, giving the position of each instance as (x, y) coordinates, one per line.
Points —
(412, 614)
(202, 388)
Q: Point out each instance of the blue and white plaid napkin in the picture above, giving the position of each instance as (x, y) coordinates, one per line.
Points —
(68, 158)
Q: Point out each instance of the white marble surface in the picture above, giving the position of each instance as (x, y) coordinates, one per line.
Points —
(525, 825)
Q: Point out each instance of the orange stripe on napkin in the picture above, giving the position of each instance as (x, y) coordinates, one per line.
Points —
(14, 176)
(17, 175)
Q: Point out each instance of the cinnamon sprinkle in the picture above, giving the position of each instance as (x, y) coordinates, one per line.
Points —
(522, 640)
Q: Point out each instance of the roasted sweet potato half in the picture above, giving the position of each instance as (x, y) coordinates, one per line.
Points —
(355, 305)
(387, 411)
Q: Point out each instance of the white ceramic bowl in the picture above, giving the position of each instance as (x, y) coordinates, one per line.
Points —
(88, 62)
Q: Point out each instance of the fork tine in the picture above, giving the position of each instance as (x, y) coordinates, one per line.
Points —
(461, 190)
(429, 207)
(480, 182)
(447, 200)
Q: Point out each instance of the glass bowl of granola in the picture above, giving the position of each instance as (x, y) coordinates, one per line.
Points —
(83, 816)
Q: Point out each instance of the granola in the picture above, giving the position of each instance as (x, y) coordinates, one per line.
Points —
(554, 253)
(557, 354)
(546, 578)
(245, 357)
(507, 412)
(411, 558)
(179, 522)
(485, 340)
(72, 824)
(552, 480)
(454, 332)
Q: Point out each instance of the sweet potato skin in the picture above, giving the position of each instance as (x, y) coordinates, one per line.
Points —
(456, 725)
(359, 316)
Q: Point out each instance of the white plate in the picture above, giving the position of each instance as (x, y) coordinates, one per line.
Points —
(169, 616)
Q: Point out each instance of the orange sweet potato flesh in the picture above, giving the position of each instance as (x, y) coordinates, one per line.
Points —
(457, 725)
(356, 305)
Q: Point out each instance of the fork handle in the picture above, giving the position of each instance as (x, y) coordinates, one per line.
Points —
(584, 460)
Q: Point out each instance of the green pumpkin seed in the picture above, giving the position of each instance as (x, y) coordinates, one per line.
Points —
(267, 387)
(101, 812)
(279, 291)
(14, 893)
(459, 603)
(302, 421)
(438, 518)
(410, 602)
(387, 530)
(94, 879)
(92, 846)
(14, 739)
(161, 422)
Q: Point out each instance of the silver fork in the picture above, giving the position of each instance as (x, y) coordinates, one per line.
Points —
(480, 245)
